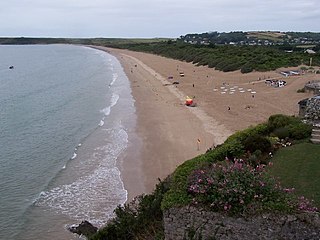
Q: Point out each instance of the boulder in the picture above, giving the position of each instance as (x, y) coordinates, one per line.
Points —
(84, 228)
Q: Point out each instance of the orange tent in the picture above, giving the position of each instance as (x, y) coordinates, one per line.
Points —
(189, 101)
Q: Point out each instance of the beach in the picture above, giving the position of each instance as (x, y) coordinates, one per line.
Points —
(169, 133)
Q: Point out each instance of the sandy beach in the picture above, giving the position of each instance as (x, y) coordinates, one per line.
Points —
(169, 130)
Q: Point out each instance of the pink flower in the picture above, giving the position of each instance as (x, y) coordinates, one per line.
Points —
(288, 190)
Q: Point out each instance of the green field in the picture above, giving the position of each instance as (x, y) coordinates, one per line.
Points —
(273, 36)
(298, 166)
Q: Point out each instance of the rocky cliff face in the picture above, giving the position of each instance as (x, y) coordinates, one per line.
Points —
(192, 223)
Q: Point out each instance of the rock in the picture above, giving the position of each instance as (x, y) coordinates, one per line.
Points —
(190, 221)
(84, 228)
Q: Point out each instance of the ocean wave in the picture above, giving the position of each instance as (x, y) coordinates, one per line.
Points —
(101, 123)
(94, 196)
(73, 156)
(114, 99)
(114, 78)
(106, 111)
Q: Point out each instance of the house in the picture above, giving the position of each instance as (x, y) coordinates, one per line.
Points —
(310, 51)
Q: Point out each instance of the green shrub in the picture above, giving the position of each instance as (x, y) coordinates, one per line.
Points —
(287, 126)
(233, 149)
(281, 133)
(302, 90)
(255, 158)
(273, 139)
(299, 131)
(257, 142)
(246, 69)
(177, 196)
(260, 129)
(279, 121)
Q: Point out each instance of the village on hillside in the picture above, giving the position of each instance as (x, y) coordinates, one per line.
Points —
(253, 38)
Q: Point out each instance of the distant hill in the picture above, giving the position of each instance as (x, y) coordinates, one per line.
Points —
(253, 38)
(84, 41)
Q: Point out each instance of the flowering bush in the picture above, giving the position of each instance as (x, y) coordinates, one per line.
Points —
(236, 187)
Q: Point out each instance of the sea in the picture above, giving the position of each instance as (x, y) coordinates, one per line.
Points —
(66, 114)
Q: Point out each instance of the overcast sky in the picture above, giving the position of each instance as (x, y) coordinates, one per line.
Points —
(153, 18)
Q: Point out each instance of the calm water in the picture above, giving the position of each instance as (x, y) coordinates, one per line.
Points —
(65, 115)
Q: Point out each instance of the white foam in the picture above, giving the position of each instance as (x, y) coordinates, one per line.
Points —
(114, 99)
(106, 111)
(101, 123)
(114, 78)
(73, 156)
(64, 166)
(93, 196)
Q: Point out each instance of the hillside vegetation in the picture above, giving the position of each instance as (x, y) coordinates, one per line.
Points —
(227, 58)
(233, 178)
(214, 49)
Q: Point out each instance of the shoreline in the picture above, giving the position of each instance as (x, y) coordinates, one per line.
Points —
(168, 130)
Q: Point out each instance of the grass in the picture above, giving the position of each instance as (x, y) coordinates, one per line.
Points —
(298, 166)
(274, 36)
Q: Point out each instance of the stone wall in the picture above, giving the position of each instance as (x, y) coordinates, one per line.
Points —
(192, 223)
(313, 86)
(312, 109)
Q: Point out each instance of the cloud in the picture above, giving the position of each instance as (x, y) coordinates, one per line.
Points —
(151, 18)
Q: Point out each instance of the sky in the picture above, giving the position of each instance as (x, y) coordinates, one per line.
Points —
(153, 18)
